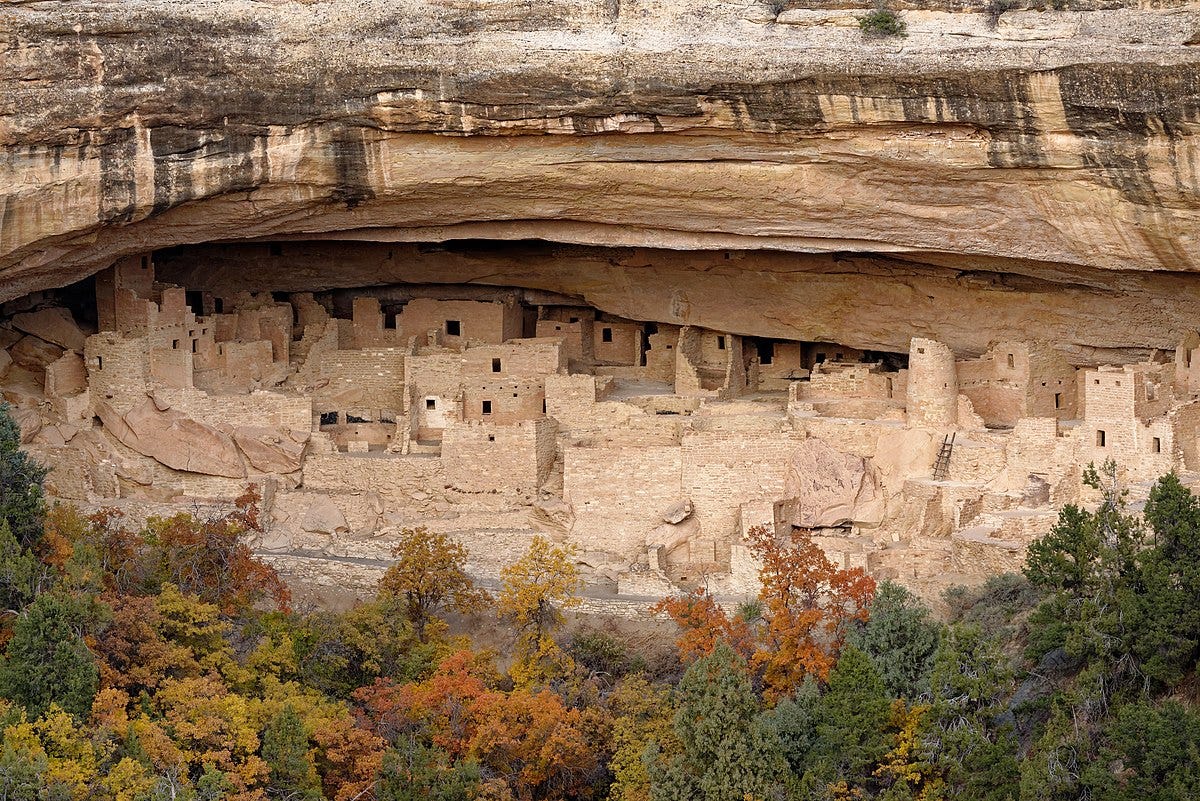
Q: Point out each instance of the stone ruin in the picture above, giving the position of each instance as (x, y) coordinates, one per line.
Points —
(652, 447)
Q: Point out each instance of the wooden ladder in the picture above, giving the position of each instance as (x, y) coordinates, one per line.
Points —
(941, 468)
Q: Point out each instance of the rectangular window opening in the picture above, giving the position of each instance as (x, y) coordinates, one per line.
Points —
(1100, 443)
(606, 335)
(495, 365)
(195, 342)
(430, 403)
(453, 328)
(1011, 363)
(1057, 400)
(389, 321)
(491, 437)
(1156, 445)
(720, 343)
(487, 407)
(218, 305)
(174, 344)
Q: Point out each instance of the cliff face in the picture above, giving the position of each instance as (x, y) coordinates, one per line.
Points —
(1057, 147)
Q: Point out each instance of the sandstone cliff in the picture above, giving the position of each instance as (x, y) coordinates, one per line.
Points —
(1056, 150)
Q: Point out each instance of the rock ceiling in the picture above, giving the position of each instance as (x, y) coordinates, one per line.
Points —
(715, 163)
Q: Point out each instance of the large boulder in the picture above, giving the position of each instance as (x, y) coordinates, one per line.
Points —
(271, 450)
(175, 440)
(830, 488)
(54, 325)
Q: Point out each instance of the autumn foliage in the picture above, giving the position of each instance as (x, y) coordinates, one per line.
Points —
(808, 606)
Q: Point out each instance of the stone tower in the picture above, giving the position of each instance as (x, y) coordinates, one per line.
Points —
(932, 385)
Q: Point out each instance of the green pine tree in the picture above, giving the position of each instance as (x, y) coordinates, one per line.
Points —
(285, 750)
(21, 573)
(21, 501)
(425, 773)
(729, 751)
(47, 660)
(901, 639)
(852, 718)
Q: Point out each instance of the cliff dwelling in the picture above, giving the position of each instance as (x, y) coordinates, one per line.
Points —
(634, 277)
(494, 412)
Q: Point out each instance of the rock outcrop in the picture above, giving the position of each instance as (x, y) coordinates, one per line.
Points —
(1042, 153)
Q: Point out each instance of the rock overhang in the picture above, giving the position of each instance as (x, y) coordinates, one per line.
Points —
(1056, 149)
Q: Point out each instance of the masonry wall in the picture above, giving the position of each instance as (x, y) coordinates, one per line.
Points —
(484, 457)
(932, 388)
(618, 495)
(479, 322)
(371, 378)
(118, 369)
(518, 358)
(572, 337)
(721, 470)
(616, 343)
(502, 402)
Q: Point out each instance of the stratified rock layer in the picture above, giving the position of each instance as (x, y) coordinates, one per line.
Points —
(1051, 147)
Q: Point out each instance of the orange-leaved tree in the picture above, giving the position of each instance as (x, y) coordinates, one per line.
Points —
(430, 575)
(703, 624)
(809, 605)
(208, 558)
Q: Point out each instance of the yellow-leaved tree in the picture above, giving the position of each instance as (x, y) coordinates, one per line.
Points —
(430, 575)
(536, 589)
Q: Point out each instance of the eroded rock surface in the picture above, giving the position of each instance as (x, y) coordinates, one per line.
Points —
(1051, 149)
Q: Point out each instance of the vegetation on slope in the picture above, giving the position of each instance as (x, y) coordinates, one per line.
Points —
(166, 662)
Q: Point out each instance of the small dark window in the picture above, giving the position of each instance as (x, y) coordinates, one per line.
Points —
(491, 437)
(430, 403)
(1011, 364)
(1096, 381)
(495, 365)
(543, 405)
(96, 421)
(276, 249)
(558, 328)
(606, 335)
(329, 418)
(1156, 445)
(820, 358)
(389, 321)
(720, 343)
(194, 342)
(487, 407)
(174, 344)
(99, 362)
(219, 306)
(514, 394)
(1100, 439)
(453, 328)
(354, 418)
(1057, 400)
